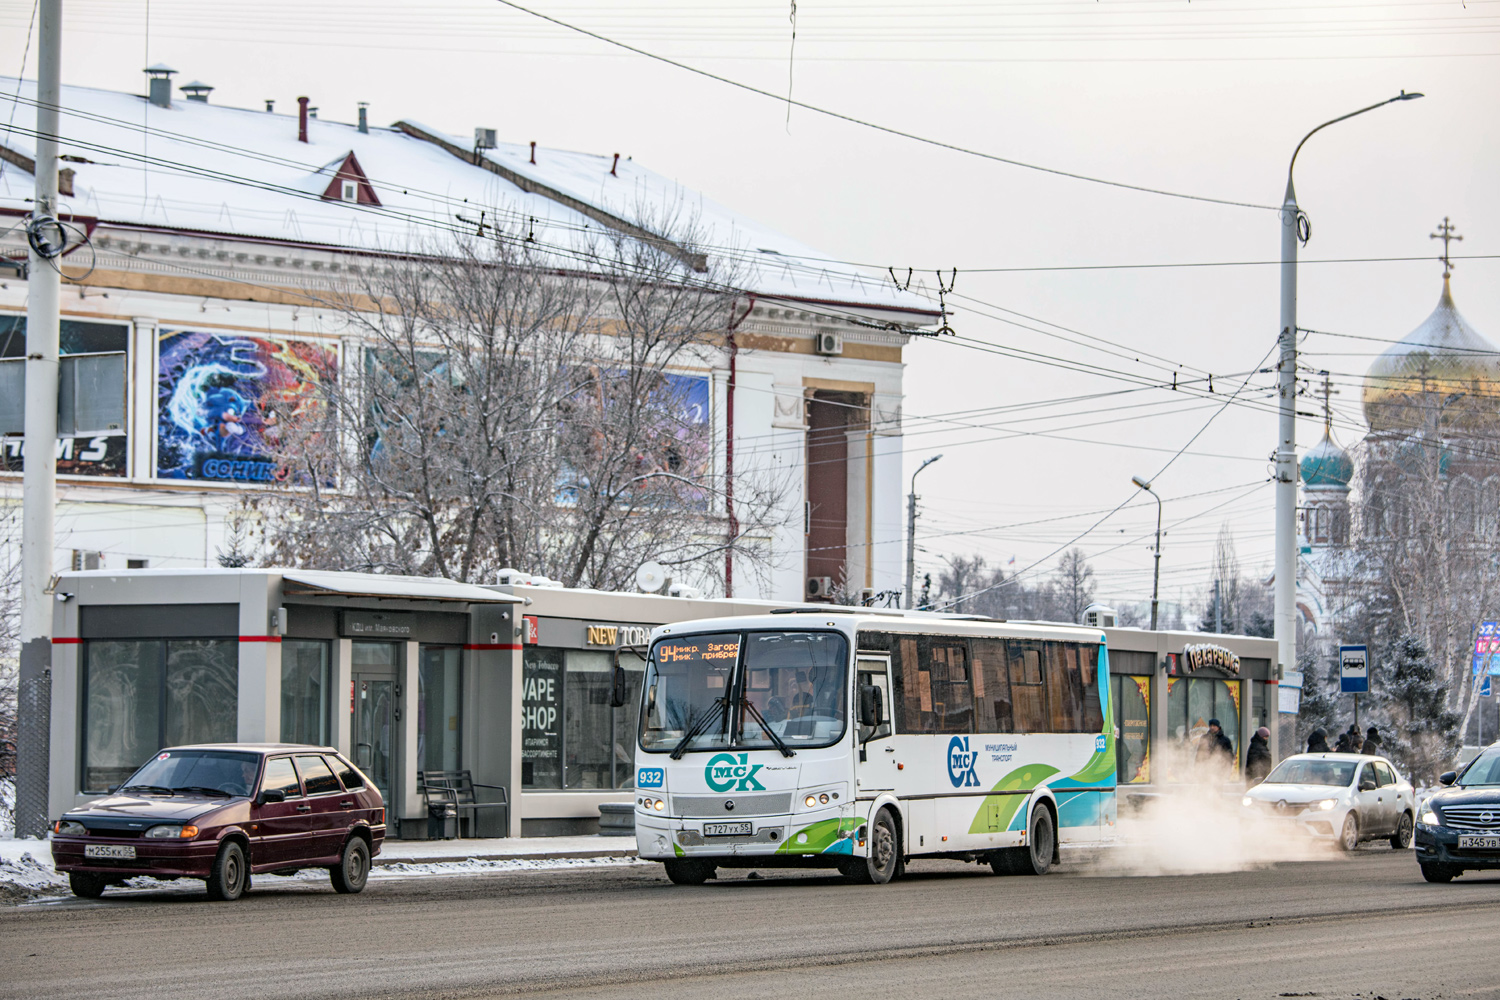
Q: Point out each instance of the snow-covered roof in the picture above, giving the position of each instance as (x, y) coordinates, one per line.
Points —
(379, 585)
(206, 168)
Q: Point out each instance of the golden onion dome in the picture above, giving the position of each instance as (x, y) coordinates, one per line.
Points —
(1443, 365)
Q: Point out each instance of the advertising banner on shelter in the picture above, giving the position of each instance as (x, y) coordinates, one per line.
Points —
(225, 401)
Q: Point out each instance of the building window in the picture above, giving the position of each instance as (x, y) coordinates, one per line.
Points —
(91, 376)
(438, 678)
(141, 695)
(571, 735)
(1191, 702)
(349, 190)
(541, 718)
(305, 691)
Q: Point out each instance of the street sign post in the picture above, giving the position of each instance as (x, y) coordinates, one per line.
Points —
(1354, 674)
(1354, 669)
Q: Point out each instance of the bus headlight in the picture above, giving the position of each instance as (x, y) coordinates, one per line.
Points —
(823, 799)
(658, 805)
(810, 801)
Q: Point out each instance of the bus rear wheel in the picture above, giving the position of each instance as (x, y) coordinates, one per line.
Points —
(884, 860)
(686, 871)
(1036, 857)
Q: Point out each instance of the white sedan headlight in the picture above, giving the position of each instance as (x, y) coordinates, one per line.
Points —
(1326, 804)
(1429, 818)
(1246, 801)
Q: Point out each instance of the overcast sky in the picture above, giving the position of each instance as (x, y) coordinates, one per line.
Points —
(1206, 98)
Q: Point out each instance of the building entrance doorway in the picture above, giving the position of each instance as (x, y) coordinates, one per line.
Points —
(372, 729)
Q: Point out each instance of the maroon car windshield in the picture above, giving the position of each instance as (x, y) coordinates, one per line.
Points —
(196, 772)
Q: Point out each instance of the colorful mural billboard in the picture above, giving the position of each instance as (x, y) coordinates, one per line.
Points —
(224, 401)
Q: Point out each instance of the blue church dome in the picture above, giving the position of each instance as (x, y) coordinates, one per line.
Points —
(1326, 465)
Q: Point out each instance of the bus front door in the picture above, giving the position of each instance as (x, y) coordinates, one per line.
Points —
(875, 761)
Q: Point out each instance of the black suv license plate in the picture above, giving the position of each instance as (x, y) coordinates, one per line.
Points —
(1471, 842)
(726, 829)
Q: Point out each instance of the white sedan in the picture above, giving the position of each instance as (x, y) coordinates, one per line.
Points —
(1343, 797)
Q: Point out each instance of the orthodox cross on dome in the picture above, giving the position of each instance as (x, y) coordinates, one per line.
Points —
(1328, 393)
(1446, 233)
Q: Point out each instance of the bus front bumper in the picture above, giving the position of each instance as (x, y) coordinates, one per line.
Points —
(833, 832)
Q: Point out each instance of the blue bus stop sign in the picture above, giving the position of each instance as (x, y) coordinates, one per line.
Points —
(1354, 669)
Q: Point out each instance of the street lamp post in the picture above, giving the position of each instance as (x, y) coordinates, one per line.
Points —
(1294, 229)
(911, 533)
(1155, 573)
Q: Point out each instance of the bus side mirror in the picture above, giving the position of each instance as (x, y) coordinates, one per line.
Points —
(619, 688)
(871, 710)
(1447, 777)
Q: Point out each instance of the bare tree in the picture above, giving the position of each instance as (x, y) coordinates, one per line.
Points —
(1075, 584)
(500, 412)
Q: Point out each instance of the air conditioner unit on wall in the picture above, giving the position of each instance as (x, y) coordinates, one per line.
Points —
(819, 586)
(484, 138)
(1099, 616)
(828, 343)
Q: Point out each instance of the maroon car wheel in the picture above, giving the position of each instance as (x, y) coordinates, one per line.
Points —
(353, 869)
(229, 875)
(86, 886)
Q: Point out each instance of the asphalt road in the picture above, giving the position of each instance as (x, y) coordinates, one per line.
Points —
(1365, 926)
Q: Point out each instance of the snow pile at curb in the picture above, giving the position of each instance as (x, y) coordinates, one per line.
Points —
(25, 877)
(26, 871)
(476, 865)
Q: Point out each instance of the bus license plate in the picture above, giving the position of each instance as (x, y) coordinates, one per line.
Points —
(108, 851)
(726, 829)
(1491, 843)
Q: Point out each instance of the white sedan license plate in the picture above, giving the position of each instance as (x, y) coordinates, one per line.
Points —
(1490, 843)
(726, 829)
(108, 851)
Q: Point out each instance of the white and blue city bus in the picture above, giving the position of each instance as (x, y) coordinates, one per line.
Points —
(849, 739)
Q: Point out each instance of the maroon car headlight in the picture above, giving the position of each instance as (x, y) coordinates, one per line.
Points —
(69, 828)
(172, 831)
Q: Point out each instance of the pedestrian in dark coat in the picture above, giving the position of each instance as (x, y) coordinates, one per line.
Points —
(1342, 746)
(1318, 741)
(1373, 744)
(1356, 741)
(1258, 756)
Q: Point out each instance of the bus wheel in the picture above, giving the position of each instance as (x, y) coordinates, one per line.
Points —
(686, 871)
(884, 861)
(1036, 857)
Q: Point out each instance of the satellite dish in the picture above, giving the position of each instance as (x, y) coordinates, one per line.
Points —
(650, 577)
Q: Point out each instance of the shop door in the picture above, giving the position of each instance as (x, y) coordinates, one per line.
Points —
(374, 717)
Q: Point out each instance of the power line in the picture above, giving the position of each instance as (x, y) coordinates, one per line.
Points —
(879, 128)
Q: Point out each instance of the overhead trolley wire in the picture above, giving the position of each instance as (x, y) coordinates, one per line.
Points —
(787, 99)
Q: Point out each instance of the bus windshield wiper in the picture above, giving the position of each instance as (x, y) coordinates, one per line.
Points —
(698, 727)
(786, 751)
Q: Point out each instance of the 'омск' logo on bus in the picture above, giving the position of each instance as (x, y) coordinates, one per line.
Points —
(725, 772)
(961, 763)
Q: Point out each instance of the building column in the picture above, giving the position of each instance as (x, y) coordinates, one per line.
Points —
(407, 798)
(342, 696)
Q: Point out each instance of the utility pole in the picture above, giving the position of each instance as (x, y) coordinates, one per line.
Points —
(911, 534)
(1156, 571)
(39, 480)
(1294, 230)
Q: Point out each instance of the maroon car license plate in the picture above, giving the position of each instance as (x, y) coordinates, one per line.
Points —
(109, 851)
(1477, 843)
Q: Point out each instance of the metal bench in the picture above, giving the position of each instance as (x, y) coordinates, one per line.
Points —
(452, 795)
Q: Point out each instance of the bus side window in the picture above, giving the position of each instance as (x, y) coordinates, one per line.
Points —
(1028, 697)
(991, 687)
(1093, 708)
(907, 702)
(951, 700)
(1064, 694)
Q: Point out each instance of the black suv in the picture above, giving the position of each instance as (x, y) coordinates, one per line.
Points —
(1458, 829)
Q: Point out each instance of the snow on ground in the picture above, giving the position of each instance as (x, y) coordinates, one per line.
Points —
(26, 870)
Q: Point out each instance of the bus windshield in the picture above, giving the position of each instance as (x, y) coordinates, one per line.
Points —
(737, 689)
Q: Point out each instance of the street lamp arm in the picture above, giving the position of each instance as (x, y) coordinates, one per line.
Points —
(1403, 96)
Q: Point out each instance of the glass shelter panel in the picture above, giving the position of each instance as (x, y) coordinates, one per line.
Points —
(305, 695)
(438, 722)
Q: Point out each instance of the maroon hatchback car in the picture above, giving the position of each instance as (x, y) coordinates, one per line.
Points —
(221, 812)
